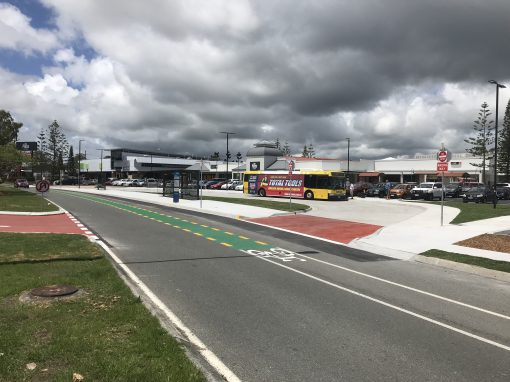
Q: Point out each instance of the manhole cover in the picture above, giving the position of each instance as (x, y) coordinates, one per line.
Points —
(54, 291)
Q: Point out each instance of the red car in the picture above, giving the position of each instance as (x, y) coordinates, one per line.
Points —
(218, 185)
(23, 183)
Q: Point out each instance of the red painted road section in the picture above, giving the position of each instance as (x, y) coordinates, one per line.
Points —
(341, 231)
(48, 224)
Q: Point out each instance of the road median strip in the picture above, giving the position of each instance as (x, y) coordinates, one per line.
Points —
(102, 332)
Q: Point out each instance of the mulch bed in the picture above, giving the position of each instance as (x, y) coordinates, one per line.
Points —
(499, 243)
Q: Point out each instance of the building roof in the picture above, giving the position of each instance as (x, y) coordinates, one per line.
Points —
(264, 148)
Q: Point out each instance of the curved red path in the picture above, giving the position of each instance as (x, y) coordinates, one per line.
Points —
(341, 231)
(60, 223)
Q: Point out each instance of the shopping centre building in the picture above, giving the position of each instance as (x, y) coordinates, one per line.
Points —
(265, 156)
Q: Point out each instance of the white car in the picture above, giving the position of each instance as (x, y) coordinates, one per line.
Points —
(128, 183)
(239, 187)
(117, 182)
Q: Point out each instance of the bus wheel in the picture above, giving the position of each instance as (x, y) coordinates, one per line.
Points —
(308, 194)
(262, 192)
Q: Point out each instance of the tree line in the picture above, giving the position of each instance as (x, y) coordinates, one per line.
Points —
(52, 156)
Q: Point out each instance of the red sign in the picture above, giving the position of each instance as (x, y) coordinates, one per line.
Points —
(442, 166)
(42, 186)
(442, 156)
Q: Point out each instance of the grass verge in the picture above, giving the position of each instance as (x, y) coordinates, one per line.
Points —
(106, 334)
(16, 200)
(282, 206)
(483, 262)
(473, 211)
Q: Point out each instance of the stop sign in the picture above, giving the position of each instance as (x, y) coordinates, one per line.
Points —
(442, 156)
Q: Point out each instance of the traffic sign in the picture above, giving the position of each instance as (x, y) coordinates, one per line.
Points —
(291, 166)
(42, 186)
(442, 166)
(442, 156)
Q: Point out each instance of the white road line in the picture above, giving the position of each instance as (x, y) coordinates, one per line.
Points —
(410, 288)
(213, 360)
(5, 226)
(438, 323)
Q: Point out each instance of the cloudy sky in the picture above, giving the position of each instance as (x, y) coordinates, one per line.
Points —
(396, 76)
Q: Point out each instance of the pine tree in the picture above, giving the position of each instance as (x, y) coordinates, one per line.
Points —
(286, 149)
(305, 152)
(311, 151)
(71, 162)
(277, 143)
(484, 137)
(53, 144)
(504, 145)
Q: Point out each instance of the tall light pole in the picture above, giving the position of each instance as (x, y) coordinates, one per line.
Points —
(348, 157)
(227, 133)
(101, 176)
(79, 161)
(498, 86)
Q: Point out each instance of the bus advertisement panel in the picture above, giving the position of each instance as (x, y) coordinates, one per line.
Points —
(281, 185)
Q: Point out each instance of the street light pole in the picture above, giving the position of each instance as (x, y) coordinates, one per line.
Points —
(348, 158)
(498, 86)
(227, 133)
(101, 173)
(79, 161)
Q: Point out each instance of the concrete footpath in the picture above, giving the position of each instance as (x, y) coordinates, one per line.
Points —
(416, 231)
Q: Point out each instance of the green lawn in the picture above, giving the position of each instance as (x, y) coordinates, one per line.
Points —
(502, 266)
(473, 211)
(105, 335)
(282, 206)
(17, 200)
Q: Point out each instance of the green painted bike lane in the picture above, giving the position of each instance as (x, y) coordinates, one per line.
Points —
(213, 234)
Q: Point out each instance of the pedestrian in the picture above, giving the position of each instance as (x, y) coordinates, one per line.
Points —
(351, 190)
(387, 187)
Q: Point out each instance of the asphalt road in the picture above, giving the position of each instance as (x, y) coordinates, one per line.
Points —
(314, 312)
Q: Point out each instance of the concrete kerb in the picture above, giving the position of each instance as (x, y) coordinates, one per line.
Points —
(59, 212)
(498, 275)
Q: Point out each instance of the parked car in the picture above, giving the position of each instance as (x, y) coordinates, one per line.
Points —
(117, 182)
(21, 183)
(230, 185)
(402, 191)
(506, 185)
(214, 181)
(503, 193)
(151, 182)
(138, 183)
(479, 194)
(217, 186)
(453, 190)
(376, 190)
(467, 186)
(427, 191)
(361, 188)
(128, 183)
(239, 187)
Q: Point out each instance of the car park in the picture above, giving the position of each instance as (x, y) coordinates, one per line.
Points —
(478, 194)
(21, 183)
(427, 191)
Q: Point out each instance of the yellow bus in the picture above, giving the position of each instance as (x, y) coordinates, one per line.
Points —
(325, 185)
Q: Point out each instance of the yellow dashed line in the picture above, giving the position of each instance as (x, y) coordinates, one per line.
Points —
(215, 229)
(145, 216)
(198, 234)
(211, 238)
(185, 229)
(203, 225)
(243, 237)
(226, 244)
(184, 220)
(176, 226)
(167, 223)
(193, 223)
(229, 233)
(261, 243)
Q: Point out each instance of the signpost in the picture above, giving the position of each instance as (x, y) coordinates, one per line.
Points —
(42, 186)
(291, 168)
(443, 157)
